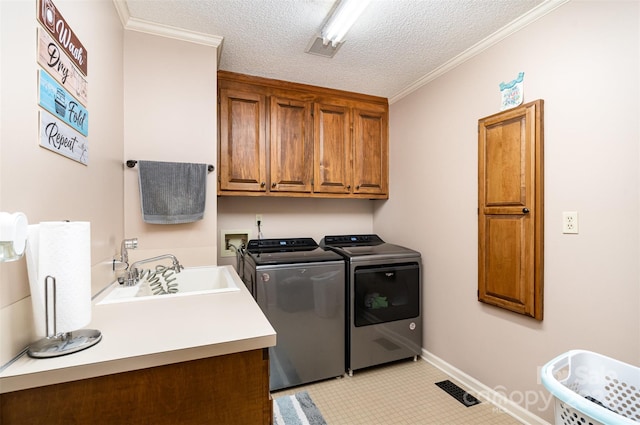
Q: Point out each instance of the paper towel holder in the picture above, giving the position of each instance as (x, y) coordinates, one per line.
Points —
(60, 344)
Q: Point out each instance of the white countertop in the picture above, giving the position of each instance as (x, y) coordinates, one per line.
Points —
(138, 335)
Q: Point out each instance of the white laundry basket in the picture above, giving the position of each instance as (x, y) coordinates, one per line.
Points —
(592, 389)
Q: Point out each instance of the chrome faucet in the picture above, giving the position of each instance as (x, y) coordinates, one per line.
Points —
(123, 260)
(132, 275)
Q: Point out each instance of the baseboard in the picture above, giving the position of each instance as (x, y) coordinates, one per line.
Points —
(481, 391)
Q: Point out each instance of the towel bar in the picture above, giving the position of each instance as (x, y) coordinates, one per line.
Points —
(132, 163)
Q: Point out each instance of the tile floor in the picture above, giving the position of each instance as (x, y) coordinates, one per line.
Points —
(393, 394)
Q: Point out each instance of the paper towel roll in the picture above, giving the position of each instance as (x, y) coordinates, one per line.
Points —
(63, 250)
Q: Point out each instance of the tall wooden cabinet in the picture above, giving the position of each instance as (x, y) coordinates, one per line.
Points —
(286, 139)
(510, 209)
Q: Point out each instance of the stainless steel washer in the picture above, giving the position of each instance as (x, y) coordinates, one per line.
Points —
(300, 287)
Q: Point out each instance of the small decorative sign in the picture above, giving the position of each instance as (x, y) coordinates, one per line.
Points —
(58, 64)
(58, 137)
(512, 93)
(55, 99)
(53, 21)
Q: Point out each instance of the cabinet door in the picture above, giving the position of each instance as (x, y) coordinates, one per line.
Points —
(370, 156)
(332, 149)
(242, 141)
(291, 145)
(510, 211)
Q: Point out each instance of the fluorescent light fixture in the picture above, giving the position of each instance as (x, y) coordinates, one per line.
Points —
(343, 17)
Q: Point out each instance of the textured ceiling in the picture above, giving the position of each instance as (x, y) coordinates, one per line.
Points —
(393, 45)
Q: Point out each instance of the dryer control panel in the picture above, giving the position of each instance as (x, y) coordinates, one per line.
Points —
(351, 240)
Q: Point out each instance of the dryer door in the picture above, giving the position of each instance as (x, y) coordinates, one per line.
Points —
(386, 293)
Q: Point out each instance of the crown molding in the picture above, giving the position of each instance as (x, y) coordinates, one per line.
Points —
(140, 25)
(511, 28)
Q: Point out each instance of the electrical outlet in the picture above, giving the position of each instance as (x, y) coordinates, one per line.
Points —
(231, 240)
(570, 222)
(259, 219)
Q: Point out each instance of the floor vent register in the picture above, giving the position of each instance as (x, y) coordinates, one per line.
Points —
(458, 393)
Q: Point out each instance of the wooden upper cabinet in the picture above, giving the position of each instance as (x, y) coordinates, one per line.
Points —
(286, 139)
(510, 209)
(371, 156)
(291, 145)
(242, 161)
(332, 149)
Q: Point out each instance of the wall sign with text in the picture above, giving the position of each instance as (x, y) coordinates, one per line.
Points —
(53, 21)
(52, 58)
(58, 137)
(62, 86)
(55, 99)
(512, 93)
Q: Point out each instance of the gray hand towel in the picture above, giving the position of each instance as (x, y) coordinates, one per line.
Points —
(172, 192)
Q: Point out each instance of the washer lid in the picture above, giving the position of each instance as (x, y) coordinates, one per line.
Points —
(287, 251)
(295, 256)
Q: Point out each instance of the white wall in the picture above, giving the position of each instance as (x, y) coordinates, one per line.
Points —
(170, 115)
(150, 97)
(583, 60)
(45, 185)
(294, 217)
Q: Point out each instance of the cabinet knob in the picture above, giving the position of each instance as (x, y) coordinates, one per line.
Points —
(358, 187)
(273, 185)
(348, 186)
(263, 184)
(525, 211)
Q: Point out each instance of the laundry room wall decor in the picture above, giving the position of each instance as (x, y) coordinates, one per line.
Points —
(52, 58)
(53, 22)
(63, 117)
(60, 138)
(55, 99)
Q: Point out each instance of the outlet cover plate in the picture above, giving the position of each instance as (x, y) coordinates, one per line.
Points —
(570, 222)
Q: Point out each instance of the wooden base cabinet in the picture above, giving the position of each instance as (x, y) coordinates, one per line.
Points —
(285, 139)
(230, 390)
